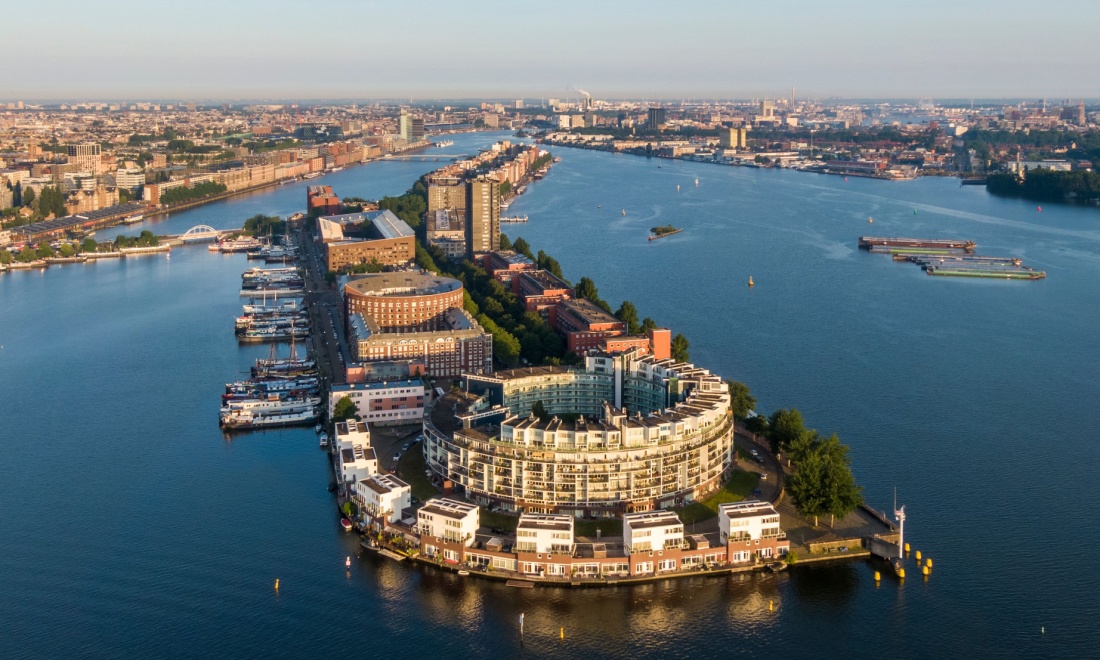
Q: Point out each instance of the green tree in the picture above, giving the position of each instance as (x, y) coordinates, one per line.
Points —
(628, 314)
(523, 248)
(506, 348)
(539, 410)
(586, 288)
(648, 324)
(344, 409)
(505, 242)
(680, 347)
(741, 399)
(822, 482)
(785, 426)
(67, 250)
(88, 245)
(26, 255)
(757, 425)
(28, 197)
(5, 257)
(44, 251)
(505, 187)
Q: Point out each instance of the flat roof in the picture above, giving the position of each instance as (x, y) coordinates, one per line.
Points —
(589, 311)
(546, 279)
(378, 385)
(746, 509)
(545, 521)
(649, 519)
(448, 507)
(403, 283)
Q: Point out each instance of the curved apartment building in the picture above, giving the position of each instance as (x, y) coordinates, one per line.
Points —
(404, 301)
(622, 434)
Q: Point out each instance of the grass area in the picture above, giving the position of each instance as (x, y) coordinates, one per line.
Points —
(411, 471)
(607, 527)
(499, 520)
(740, 485)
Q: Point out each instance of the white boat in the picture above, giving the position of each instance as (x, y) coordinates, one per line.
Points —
(514, 218)
(323, 439)
(271, 405)
(246, 419)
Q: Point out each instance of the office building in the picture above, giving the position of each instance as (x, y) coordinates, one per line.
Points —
(390, 241)
(482, 216)
(655, 117)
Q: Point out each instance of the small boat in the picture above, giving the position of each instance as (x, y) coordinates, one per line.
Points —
(323, 440)
(677, 186)
(347, 562)
(624, 211)
(346, 524)
(751, 284)
(318, 428)
(777, 566)
(870, 220)
(464, 573)
(697, 183)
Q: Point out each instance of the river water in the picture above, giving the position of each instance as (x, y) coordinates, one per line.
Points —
(132, 527)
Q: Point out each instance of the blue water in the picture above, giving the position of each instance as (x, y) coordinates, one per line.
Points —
(132, 528)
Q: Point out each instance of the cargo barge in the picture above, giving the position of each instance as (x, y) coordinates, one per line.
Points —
(867, 242)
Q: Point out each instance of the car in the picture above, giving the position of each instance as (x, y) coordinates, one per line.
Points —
(754, 452)
(396, 457)
(405, 447)
(763, 476)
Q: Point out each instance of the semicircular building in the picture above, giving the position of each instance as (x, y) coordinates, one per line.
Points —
(623, 433)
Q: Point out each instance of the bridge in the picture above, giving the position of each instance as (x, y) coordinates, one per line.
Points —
(426, 157)
(200, 233)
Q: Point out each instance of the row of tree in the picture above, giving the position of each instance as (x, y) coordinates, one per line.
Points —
(185, 194)
(1045, 184)
(264, 225)
(822, 482)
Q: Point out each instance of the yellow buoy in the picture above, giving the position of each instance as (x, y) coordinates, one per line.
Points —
(276, 584)
(750, 281)
(901, 573)
(771, 605)
(561, 633)
(918, 555)
(924, 571)
(878, 577)
(906, 548)
(928, 562)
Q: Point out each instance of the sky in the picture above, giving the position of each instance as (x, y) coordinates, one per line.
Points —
(278, 49)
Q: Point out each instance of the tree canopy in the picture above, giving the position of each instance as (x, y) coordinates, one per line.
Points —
(680, 347)
(628, 314)
(822, 482)
(344, 409)
(741, 400)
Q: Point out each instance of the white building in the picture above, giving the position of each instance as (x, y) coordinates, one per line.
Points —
(749, 524)
(399, 401)
(355, 459)
(383, 496)
(646, 531)
(542, 533)
(133, 180)
(449, 520)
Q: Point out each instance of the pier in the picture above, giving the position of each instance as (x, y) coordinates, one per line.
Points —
(950, 258)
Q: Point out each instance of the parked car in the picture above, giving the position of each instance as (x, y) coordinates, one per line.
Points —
(396, 457)
(405, 447)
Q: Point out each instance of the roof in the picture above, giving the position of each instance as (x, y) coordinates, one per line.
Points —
(389, 225)
(448, 508)
(650, 519)
(588, 311)
(746, 509)
(403, 283)
(545, 521)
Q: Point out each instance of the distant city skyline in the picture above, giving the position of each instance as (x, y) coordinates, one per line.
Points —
(351, 50)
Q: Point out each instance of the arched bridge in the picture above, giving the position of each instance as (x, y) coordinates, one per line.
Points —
(200, 233)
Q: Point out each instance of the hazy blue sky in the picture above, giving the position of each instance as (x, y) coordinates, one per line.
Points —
(340, 48)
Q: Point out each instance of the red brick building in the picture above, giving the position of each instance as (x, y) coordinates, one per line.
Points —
(584, 324)
(540, 290)
(323, 199)
(503, 265)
